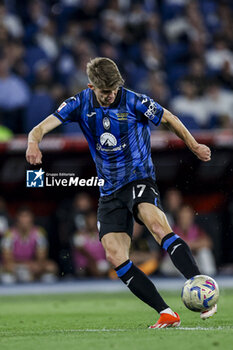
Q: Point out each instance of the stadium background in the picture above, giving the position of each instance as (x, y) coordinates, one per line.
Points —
(179, 52)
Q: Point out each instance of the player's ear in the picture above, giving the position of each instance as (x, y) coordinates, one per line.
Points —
(90, 86)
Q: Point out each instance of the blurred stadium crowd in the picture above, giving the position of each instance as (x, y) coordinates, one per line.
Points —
(67, 245)
(179, 52)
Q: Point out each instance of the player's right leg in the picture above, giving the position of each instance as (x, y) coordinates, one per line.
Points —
(180, 253)
(182, 258)
(115, 225)
(116, 245)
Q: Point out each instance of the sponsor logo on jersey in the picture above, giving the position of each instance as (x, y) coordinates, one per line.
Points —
(151, 110)
(114, 149)
(122, 116)
(106, 123)
(144, 100)
(91, 114)
(108, 143)
(108, 139)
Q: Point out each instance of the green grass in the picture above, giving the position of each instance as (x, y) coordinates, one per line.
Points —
(107, 321)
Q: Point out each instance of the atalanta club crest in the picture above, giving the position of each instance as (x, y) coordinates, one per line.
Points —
(106, 123)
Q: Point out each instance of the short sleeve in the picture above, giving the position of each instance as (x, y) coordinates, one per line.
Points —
(7, 242)
(41, 240)
(69, 110)
(151, 109)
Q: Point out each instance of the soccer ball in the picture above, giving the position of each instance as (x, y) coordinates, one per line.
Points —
(200, 293)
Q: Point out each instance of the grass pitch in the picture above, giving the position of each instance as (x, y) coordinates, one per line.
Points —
(108, 321)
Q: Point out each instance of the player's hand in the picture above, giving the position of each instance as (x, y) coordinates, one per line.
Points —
(202, 152)
(33, 153)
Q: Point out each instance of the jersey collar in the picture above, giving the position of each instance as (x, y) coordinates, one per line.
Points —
(112, 105)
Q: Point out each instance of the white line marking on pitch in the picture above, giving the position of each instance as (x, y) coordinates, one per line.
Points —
(203, 328)
(21, 333)
(60, 331)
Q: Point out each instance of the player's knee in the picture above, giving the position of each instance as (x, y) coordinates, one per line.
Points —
(158, 231)
(115, 257)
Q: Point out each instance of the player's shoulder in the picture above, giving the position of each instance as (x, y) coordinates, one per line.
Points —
(84, 93)
(136, 96)
(74, 102)
(79, 97)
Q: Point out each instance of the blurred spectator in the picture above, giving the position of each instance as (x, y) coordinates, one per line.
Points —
(145, 252)
(199, 242)
(11, 22)
(15, 52)
(14, 97)
(71, 219)
(151, 55)
(82, 205)
(72, 65)
(46, 95)
(78, 81)
(225, 76)
(158, 89)
(187, 24)
(88, 15)
(25, 252)
(189, 104)
(219, 103)
(225, 13)
(89, 255)
(35, 18)
(174, 38)
(137, 22)
(172, 204)
(43, 74)
(153, 28)
(4, 217)
(197, 72)
(217, 56)
(47, 41)
(112, 27)
(4, 36)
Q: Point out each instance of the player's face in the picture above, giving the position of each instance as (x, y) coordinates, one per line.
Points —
(105, 96)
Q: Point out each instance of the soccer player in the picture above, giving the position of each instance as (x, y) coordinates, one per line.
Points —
(115, 122)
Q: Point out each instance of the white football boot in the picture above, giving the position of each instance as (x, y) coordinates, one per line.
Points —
(209, 313)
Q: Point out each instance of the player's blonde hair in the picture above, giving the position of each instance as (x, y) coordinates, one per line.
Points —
(103, 73)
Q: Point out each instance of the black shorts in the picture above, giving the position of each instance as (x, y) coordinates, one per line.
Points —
(116, 211)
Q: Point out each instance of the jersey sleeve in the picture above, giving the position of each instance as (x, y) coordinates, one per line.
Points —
(69, 110)
(149, 108)
(7, 242)
(41, 240)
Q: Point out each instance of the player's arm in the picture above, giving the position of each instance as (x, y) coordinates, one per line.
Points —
(174, 124)
(33, 153)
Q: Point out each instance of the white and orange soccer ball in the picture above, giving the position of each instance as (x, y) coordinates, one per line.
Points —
(200, 293)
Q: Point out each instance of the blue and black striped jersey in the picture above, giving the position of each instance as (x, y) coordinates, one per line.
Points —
(118, 135)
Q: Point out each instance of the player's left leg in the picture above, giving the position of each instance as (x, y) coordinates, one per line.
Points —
(116, 245)
(156, 222)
